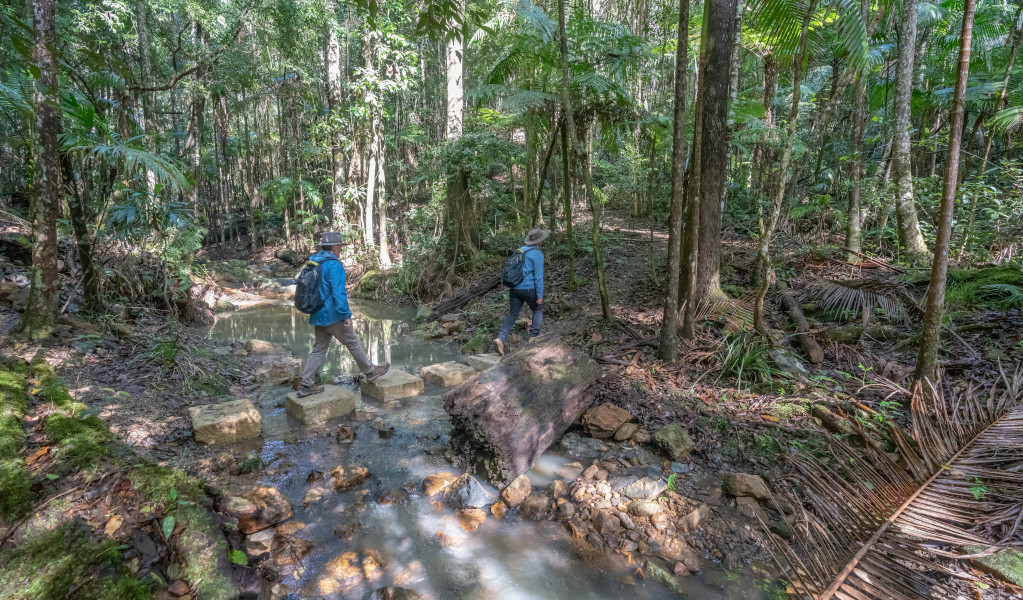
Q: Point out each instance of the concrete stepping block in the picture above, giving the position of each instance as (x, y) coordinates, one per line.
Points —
(393, 386)
(482, 362)
(447, 374)
(225, 422)
(332, 402)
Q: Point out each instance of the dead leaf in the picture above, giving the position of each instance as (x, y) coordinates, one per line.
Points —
(37, 455)
(770, 418)
(596, 338)
(113, 525)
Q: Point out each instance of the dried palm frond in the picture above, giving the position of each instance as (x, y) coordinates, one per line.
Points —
(736, 313)
(872, 528)
(852, 297)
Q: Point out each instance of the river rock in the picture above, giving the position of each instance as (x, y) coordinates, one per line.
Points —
(569, 471)
(695, 518)
(499, 509)
(603, 421)
(260, 542)
(468, 492)
(645, 508)
(577, 445)
(265, 348)
(226, 422)
(566, 510)
(516, 491)
(641, 436)
(395, 385)
(534, 507)
(646, 488)
(482, 362)
(743, 484)
(394, 593)
(447, 374)
(331, 403)
(313, 496)
(470, 519)
(290, 550)
(257, 508)
(559, 489)
(674, 441)
(606, 523)
(436, 483)
(663, 576)
(626, 431)
(346, 479)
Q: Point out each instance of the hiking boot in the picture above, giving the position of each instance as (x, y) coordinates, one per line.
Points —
(377, 371)
(304, 391)
(500, 346)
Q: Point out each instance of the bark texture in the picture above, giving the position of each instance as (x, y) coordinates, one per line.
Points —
(508, 415)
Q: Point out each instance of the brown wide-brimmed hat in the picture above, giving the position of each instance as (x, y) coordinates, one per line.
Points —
(331, 238)
(535, 236)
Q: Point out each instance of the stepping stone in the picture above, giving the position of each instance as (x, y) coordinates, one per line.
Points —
(332, 402)
(393, 386)
(482, 362)
(447, 374)
(226, 422)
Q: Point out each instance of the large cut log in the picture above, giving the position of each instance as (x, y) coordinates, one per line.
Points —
(462, 298)
(506, 416)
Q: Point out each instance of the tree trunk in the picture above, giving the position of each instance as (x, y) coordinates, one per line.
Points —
(566, 197)
(507, 416)
(335, 93)
(927, 360)
(764, 246)
(910, 237)
(461, 207)
(854, 225)
(667, 348)
(384, 255)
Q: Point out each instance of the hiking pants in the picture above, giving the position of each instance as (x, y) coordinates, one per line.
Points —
(518, 298)
(345, 335)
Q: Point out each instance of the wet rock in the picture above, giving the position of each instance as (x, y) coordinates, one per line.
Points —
(625, 431)
(447, 374)
(313, 496)
(346, 479)
(603, 421)
(290, 550)
(264, 347)
(674, 441)
(749, 507)
(781, 529)
(290, 528)
(569, 471)
(694, 519)
(559, 489)
(606, 523)
(436, 483)
(576, 445)
(517, 491)
(260, 542)
(395, 385)
(393, 496)
(663, 576)
(226, 422)
(250, 464)
(681, 570)
(590, 471)
(645, 508)
(468, 492)
(646, 488)
(534, 507)
(499, 509)
(394, 593)
(566, 510)
(743, 484)
(482, 362)
(225, 462)
(629, 546)
(331, 403)
(576, 528)
(257, 508)
(422, 313)
(626, 520)
(470, 519)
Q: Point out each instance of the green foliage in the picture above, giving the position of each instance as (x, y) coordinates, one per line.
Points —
(79, 442)
(16, 499)
(992, 287)
(744, 356)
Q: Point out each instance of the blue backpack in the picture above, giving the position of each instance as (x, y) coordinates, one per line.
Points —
(514, 268)
(307, 287)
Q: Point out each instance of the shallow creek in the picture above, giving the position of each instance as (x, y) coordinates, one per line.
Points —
(399, 538)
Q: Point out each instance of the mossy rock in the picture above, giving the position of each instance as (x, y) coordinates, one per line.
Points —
(1006, 565)
(372, 283)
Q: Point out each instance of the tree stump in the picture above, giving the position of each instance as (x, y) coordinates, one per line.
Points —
(506, 416)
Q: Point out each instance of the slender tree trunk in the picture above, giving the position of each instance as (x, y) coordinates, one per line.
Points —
(927, 360)
(543, 174)
(384, 256)
(148, 116)
(566, 197)
(461, 207)
(764, 246)
(853, 231)
(667, 348)
(41, 313)
(582, 163)
(335, 93)
(910, 237)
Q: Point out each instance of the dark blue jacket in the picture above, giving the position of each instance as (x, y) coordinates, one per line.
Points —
(332, 290)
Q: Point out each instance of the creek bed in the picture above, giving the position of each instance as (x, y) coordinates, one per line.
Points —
(396, 538)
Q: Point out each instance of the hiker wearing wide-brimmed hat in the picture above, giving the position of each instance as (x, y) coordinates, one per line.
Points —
(524, 275)
(334, 318)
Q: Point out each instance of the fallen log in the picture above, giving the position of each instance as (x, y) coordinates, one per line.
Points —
(806, 339)
(462, 298)
(508, 415)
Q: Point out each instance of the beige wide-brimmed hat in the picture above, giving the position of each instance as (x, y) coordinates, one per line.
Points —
(535, 236)
(331, 238)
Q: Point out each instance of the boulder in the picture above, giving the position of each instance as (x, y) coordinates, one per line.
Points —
(787, 361)
(674, 441)
(447, 374)
(574, 444)
(482, 362)
(603, 421)
(645, 508)
(743, 484)
(517, 491)
(290, 256)
(263, 347)
(436, 483)
(257, 508)
(468, 492)
(395, 385)
(226, 422)
(663, 576)
(332, 402)
(646, 488)
(260, 542)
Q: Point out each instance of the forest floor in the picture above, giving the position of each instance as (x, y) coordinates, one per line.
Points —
(139, 372)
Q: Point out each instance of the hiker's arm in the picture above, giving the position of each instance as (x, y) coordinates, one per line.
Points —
(337, 280)
(538, 274)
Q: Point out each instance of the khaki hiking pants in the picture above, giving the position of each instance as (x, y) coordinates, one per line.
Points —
(345, 335)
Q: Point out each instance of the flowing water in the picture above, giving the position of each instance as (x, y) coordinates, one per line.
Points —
(391, 536)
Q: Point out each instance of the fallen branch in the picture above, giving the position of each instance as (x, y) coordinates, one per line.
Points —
(806, 339)
(463, 298)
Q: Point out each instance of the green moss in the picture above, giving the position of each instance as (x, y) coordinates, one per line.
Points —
(204, 551)
(52, 388)
(1000, 287)
(156, 482)
(13, 404)
(51, 562)
(16, 497)
(78, 442)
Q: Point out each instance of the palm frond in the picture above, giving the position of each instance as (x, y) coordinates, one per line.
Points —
(870, 529)
(851, 297)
